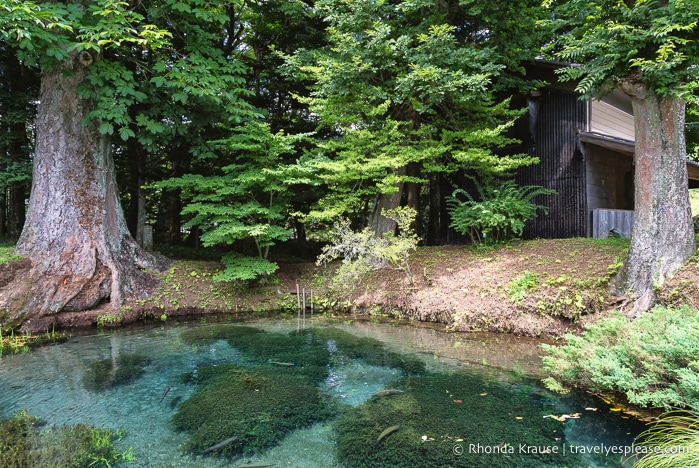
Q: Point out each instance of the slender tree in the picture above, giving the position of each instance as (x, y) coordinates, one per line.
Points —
(19, 87)
(650, 49)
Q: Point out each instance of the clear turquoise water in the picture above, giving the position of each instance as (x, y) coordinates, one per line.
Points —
(48, 383)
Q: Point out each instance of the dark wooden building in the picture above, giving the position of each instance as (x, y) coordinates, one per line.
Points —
(586, 152)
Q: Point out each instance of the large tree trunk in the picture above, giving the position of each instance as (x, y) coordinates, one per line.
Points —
(75, 236)
(662, 238)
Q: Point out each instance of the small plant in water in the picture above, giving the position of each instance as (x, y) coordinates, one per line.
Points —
(20, 343)
(26, 442)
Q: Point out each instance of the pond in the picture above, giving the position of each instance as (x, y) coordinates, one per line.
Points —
(324, 393)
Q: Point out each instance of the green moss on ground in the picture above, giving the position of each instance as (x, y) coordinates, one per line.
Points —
(103, 375)
(25, 443)
(437, 412)
(258, 405)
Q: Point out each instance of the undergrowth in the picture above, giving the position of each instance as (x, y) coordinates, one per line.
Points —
(653, 361)
(26, 442)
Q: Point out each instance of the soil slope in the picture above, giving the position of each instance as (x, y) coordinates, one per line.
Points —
(536, 288)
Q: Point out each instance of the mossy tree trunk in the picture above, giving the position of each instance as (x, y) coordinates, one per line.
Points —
(75, 235)
(662, 238)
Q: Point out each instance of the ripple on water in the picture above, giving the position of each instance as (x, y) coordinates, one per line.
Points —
(48, 382)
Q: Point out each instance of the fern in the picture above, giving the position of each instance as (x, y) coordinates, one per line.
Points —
(499, 215)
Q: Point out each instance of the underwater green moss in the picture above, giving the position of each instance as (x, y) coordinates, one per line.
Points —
(209, 334)
(106, 373)
(15, 439)
(257, 405)
(24, 442)
(434, 413)
(369, 350)
(276, 388)
(308, 352)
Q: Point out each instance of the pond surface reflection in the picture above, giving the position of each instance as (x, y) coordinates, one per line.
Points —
(50, 383)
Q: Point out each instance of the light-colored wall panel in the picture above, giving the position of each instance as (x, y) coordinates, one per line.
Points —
(610, 120)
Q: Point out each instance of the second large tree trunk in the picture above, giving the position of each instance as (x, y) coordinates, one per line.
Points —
(75, 236)
(662, 238)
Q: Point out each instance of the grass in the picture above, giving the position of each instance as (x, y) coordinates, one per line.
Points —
(22, 342)
(7, 253)
(673, 441)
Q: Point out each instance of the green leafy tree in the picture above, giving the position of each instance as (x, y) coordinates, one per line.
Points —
(75, 236)
(404, 90)
(649, 49)
(248, 199)
(157, 76)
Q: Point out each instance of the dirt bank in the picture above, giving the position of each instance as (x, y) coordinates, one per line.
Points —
(534, 288)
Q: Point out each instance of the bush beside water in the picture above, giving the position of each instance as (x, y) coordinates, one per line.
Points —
(653, 360)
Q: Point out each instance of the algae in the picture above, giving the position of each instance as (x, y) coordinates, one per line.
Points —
(274, 387)
(258, 405)
(449, 420)
(106, 373)
(26, 442)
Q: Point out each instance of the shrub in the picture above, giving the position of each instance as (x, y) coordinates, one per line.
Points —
(363, 251)
(653, 360)
(500, 213)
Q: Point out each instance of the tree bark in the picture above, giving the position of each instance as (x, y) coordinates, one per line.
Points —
(662, 238)
(384, 202)
(75, 235)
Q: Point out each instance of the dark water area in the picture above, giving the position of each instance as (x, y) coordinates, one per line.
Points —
(504, 371)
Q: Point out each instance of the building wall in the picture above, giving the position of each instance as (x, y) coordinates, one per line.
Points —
(559, 115)
(611, 120)
(609, 179)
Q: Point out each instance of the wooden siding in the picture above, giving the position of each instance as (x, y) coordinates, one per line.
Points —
(560, 115)
(610, 120)
(604, 221)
